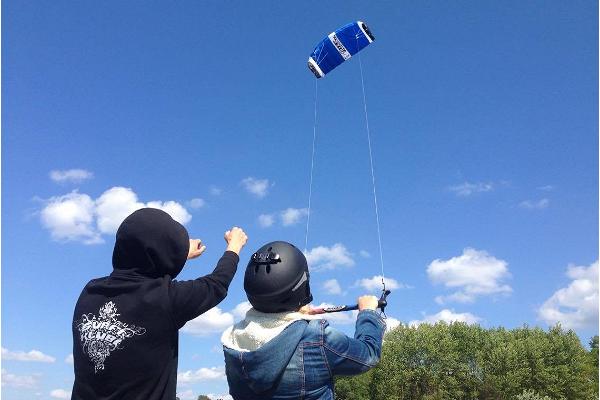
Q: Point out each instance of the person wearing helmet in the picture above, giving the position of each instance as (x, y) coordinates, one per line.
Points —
(279, 350)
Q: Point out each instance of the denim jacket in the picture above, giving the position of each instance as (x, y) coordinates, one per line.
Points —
(301, 362)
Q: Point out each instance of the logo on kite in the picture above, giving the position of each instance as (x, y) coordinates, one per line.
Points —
(338, 47)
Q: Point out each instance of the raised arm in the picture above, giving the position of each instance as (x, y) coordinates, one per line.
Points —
(352, 356)
(191, 298)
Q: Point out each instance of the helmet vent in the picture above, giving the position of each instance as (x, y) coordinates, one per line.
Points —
(268, 268)
(256, 269)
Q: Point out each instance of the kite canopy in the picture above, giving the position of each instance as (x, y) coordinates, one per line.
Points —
(339, 46)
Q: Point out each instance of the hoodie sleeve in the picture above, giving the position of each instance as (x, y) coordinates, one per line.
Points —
(191, 298)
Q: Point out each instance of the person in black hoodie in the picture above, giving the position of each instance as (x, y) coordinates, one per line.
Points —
(125, 325)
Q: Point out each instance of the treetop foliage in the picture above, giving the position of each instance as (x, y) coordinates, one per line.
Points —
(460, 361)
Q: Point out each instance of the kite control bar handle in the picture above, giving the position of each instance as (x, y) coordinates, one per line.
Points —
(382, 304)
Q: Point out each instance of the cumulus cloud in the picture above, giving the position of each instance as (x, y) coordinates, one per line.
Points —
(288, 217)
(391, 323)
(113, 206)
(173, 208)
(374, 283)
(240, 310)
(332, 286)
(70, 175)
(574, 306)
(77, 217)
(467, 189)
(291, 216)
(447, 316)
(200, 375)
(33, 355)
(476, 273)
(212, 396)
(69, 359)
(326, 258)
(71, 217)
(215, 191)
(256, 187)
(186, 395)
(212, 321)
(364, 254)
(266, 220)
(197, 203)
(535, 205)
(546, 188)
(60, 394)
(19, 381)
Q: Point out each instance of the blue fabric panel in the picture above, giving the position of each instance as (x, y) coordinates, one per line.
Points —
(327, 56)
(352, 38)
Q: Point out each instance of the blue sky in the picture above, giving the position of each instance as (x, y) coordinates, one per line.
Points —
(484, 121)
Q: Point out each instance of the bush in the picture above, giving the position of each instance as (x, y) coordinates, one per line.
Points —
(459, 361)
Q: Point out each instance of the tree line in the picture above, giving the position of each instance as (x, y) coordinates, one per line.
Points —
(460, 361)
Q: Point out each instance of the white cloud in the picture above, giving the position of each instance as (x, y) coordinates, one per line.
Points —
(174, 209)
(391, 323)
(19, 381)
(219, 396)
(364, 254)
(212, 321)
(240, 310)
(546, 188)
(60, 394)
(325, 258)
(466, 189)
(257, 187)
(71, 217)
(113, 206)
(374, 284)
(332, 286)
(291, 216)
(288, 217)
(535, 205)
(576, 305)
(186, 395)
(77, 217)
(33, 355)
(266, 220)
(215, 191)
(447, 316)
(475, 272)
(70, 175)
(202, 374)
(69, 359)
(197, 203)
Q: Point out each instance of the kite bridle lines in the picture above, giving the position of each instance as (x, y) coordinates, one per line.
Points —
(383, 299)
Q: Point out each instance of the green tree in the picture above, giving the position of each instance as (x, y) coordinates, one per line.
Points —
(592, 365)
(459, 361)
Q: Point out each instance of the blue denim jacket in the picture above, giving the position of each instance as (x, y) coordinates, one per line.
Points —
(300, 363)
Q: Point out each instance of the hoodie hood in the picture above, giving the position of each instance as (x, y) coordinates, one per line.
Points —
(151, 243)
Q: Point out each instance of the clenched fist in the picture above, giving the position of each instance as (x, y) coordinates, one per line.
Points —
(236, 239)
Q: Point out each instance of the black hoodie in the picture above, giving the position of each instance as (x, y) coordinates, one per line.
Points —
(125, 326)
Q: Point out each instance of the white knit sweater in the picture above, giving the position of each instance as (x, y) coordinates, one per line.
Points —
(258, 328)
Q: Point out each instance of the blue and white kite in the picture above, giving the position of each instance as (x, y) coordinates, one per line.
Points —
(339, 46)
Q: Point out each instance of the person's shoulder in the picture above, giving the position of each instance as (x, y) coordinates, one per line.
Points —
(314, 329)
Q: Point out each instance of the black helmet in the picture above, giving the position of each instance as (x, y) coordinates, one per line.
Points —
(276, 278)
